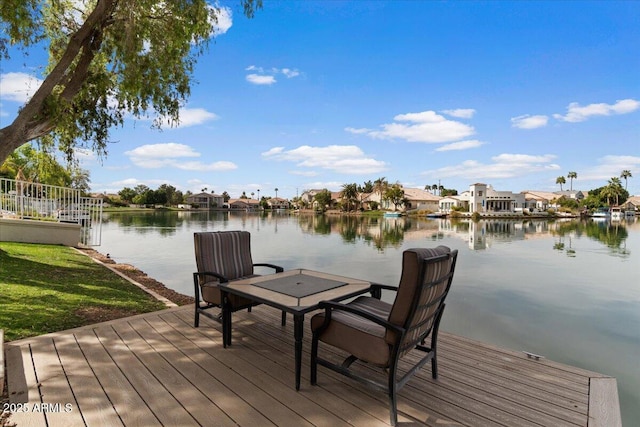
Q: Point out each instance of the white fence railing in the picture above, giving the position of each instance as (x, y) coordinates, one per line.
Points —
(31, 200)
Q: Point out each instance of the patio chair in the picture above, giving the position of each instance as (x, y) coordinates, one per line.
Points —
(380, 333)
(222, 256)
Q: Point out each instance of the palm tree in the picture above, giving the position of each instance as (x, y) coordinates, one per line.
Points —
(572, 176)
(349, 193)
(614, 188)
(626, 174)
(560, 180)
(395, 194)
(276, 192)
(380, 185)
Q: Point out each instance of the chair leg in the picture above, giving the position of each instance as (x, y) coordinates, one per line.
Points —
(196, 320)
(434, 368)
(393, 404)
(314, 360)
(392, 389)
(284, 318)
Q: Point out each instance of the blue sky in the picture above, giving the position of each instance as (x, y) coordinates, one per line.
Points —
(317, 94)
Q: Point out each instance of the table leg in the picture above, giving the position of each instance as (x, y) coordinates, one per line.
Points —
(298, 330)
(226, 321)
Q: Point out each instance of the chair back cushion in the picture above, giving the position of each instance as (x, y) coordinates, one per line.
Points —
(224, 252)
(426, 277)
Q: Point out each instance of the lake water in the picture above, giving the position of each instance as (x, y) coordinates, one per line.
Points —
(568, 290)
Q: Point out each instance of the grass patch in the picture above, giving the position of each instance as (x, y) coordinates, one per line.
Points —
(47, 288)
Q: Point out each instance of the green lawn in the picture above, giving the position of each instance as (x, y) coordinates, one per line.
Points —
(47, 288)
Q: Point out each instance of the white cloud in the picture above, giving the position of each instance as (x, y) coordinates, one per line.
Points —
(304, 173)
(195, 116)
(529, 122)
(158, 151)
(426, 126)
(502, 166)
(461, 145)
(262, 76)
(290, 73)
(358, 131)
(203, 167)
(18, 87)
(336, 158)
(257, 79)
(273, 152)
(154, 156)
(576, 113)
(223, 21)
(187, 116)
(461, 113)
(610, 166)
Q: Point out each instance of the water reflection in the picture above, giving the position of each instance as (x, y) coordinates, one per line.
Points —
(383, 233)
(380, 233)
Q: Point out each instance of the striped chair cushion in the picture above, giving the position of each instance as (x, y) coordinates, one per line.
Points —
(428, 293)
(224, 252)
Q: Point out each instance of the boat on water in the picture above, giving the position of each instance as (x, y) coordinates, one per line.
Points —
(617, 213)
(391, 214)
(601, 213)
(436, 215)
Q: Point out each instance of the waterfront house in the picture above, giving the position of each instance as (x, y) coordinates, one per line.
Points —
(632, 204)
(570, 194)
(446, 204)
(206, 200)
(421, 200)
(540, 200)
(307, 198)
(416, 199)
(243, 204)
(483, 198)
(278, 203)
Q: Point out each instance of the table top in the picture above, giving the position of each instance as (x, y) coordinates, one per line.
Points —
(297, 291)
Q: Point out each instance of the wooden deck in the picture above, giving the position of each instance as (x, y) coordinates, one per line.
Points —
(156, 369)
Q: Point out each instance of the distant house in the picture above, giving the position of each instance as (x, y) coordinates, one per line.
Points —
(419, 200)
(571, 194)
(416, 199)
(540, 200)
(307, 198)
(483, 198)
(446, 204)
(278, 203)
(206, 200)
(243, 204)
(632, 204)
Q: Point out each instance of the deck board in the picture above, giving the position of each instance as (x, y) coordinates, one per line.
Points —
(157, 369)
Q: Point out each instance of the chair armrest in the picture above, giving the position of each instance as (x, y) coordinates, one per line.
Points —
(377, 288)
(275, 267)
(220, 277)
(329, 306)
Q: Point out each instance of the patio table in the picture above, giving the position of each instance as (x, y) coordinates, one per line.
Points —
(297, 292)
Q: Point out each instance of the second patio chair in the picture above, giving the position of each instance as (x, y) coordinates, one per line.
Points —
(380, 333)
(222, 256)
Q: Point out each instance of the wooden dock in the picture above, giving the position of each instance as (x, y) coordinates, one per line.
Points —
(157, 369)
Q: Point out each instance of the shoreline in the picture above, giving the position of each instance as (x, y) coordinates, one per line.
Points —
(139, 278)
